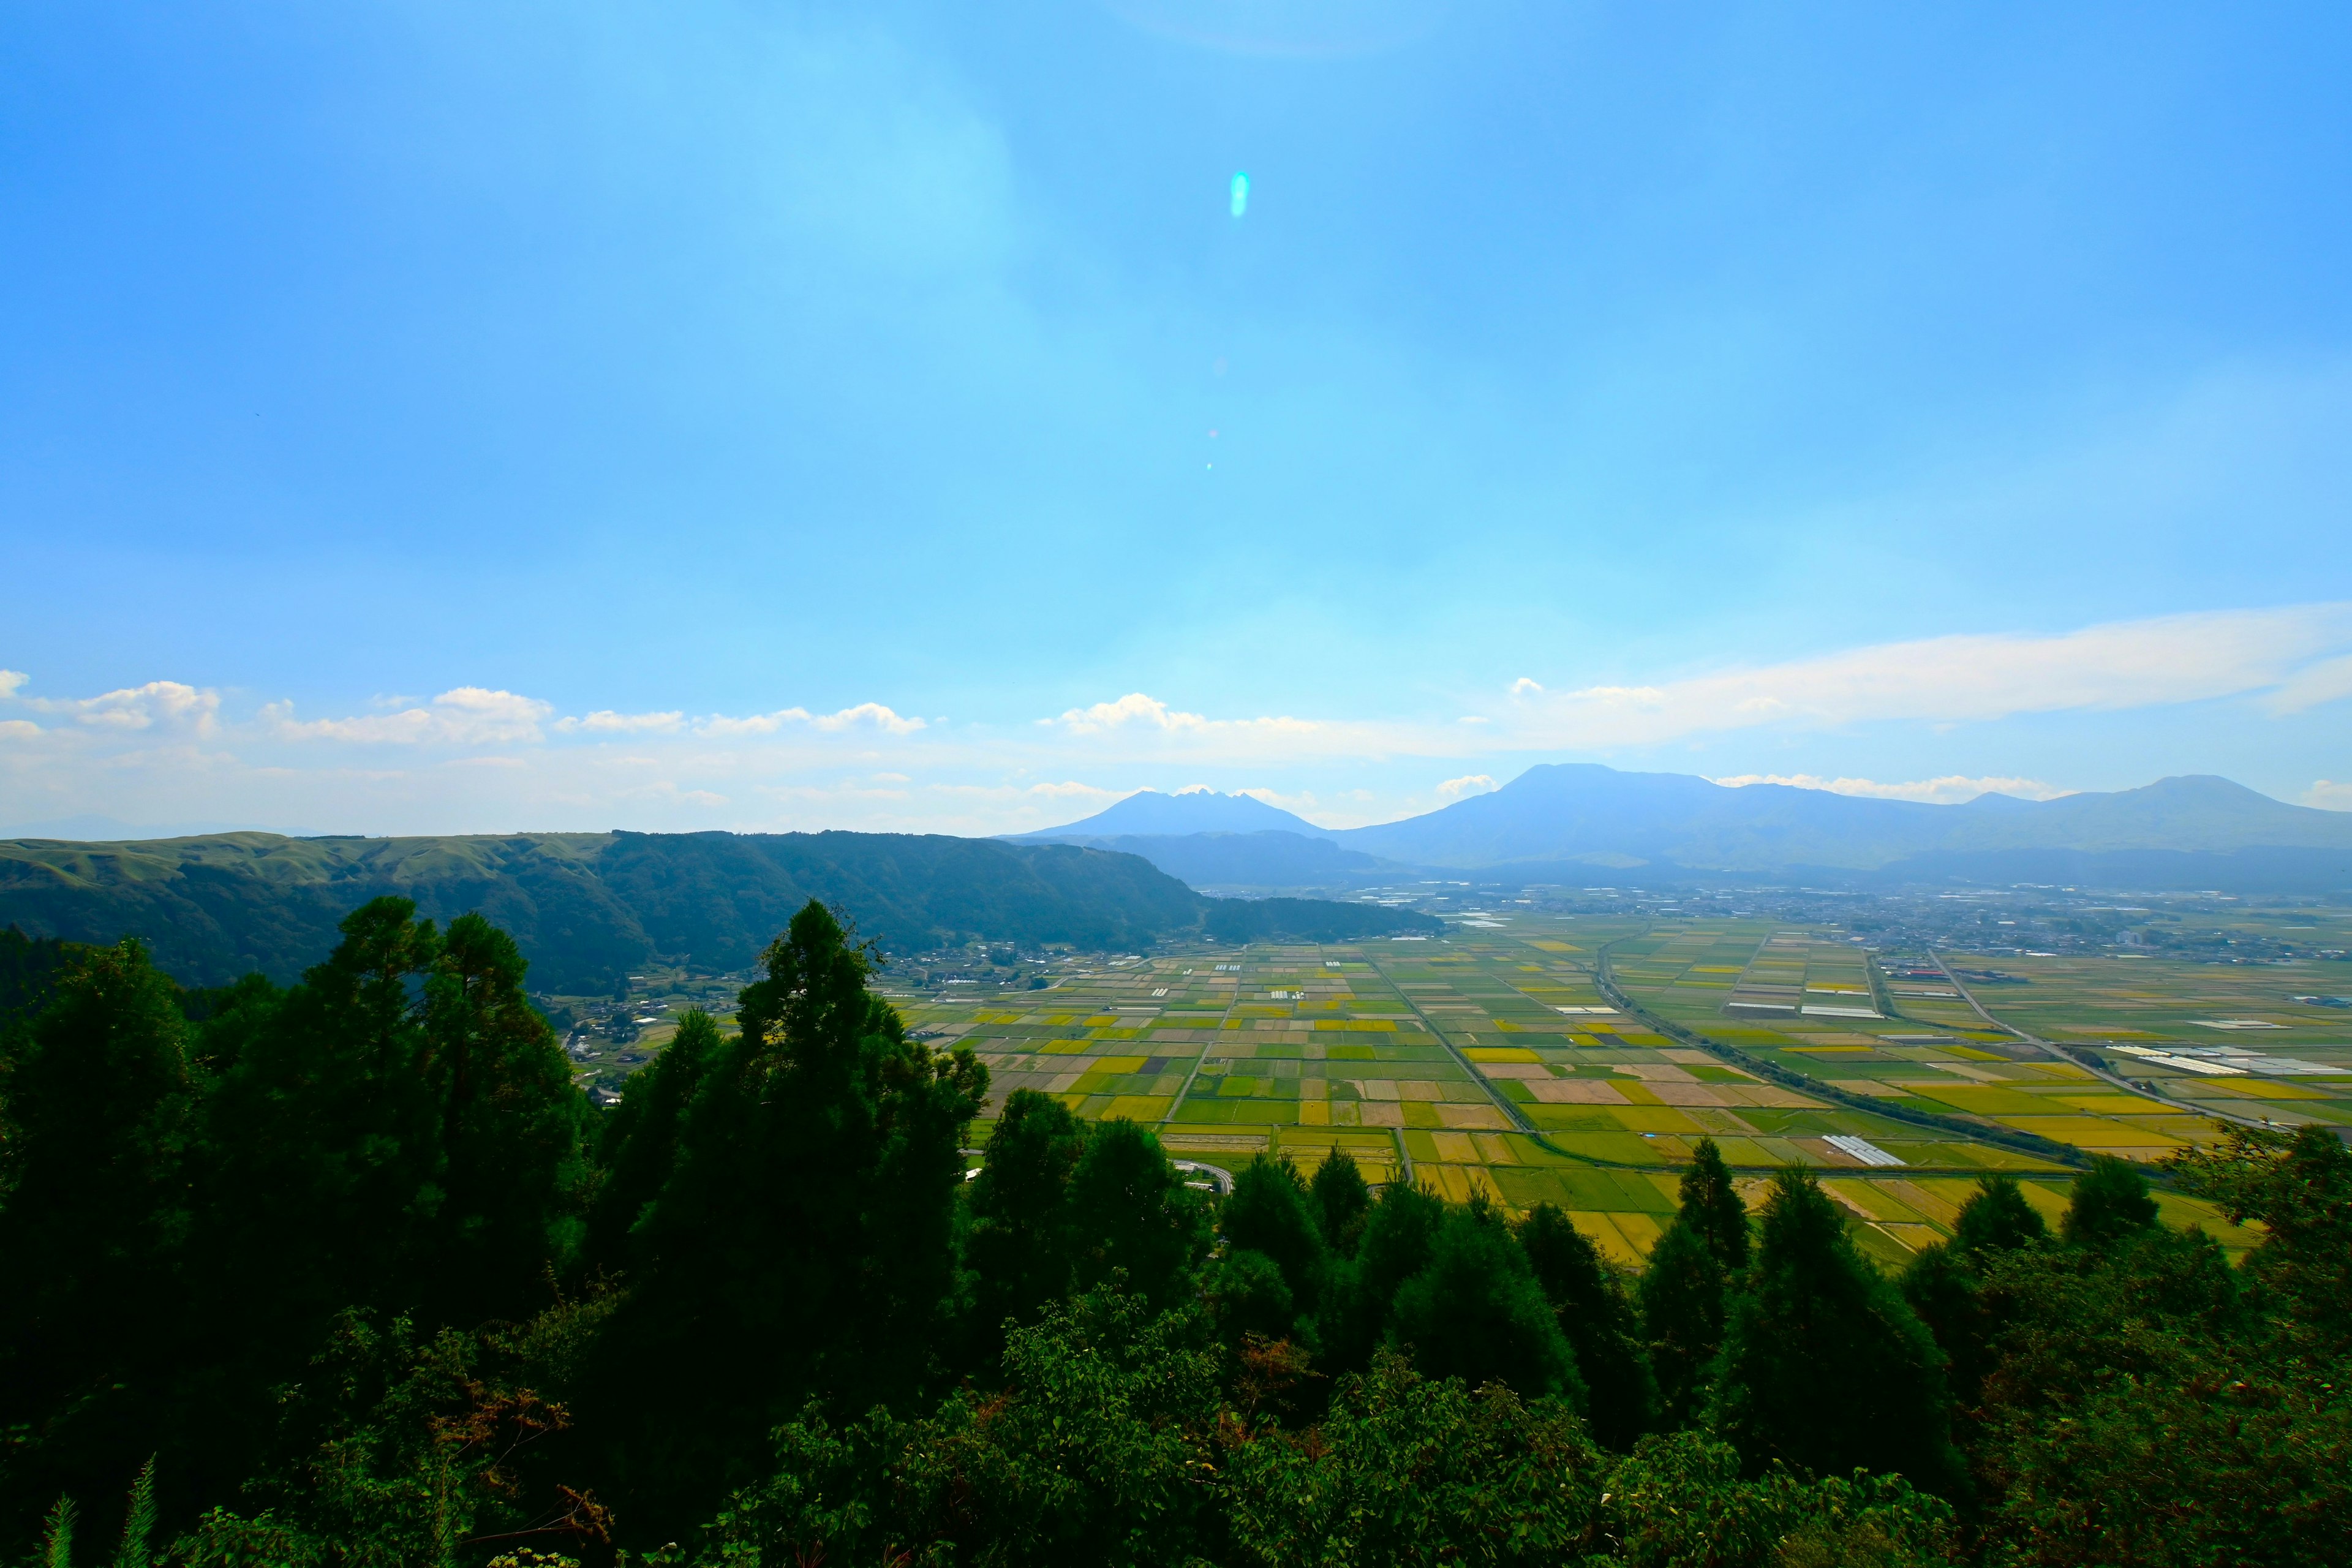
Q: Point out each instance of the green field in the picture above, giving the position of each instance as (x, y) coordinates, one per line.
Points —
(1492, 1060)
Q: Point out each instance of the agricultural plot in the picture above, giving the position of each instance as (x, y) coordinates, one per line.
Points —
(1895, 1037)
(1491, 1060)
(2272, 1040)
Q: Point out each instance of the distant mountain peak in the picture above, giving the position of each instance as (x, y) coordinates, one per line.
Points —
(1195, 810)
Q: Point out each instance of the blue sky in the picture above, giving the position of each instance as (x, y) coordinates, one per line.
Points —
(490, 417)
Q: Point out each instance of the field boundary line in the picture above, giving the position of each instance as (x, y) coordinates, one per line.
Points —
(1999, 1137)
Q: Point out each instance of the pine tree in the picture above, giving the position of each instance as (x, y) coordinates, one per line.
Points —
(1824, 1364)
(512, 1128)
(1269, 1212)
(1597, 1318)
(803, 1245)
(1711, 1207)
(1342, 1201)
(93, 1217)
(1399, 1239)
(1474, 1311)
(638, 1146)
(1681, 1297)
(1942, 1286)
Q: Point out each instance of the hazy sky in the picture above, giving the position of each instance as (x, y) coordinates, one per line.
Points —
(484, 417)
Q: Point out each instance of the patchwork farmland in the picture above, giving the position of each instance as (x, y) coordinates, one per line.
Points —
(1576, 1059)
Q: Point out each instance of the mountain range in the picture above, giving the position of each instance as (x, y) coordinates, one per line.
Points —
(587, 908)
(1582, 821)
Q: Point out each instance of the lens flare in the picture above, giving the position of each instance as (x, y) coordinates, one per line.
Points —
(1241, 193)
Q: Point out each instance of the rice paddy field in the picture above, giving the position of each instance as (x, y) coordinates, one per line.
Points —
(1575, 1061)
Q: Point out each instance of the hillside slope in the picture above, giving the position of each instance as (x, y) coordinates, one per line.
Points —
(586, 907)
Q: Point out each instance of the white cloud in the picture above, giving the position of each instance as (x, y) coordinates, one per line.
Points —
(1523, 686)
(1135, 708)
(1069, 788)
(1469, 784)
(604, 722)
(1951, 789)
(1149, 716)
(19, 729)
(10, 679)
(2329, 795)
(2326, 681)
(871, 715)
(868, 713)
(166, 703)
(463, 716)
(1974, 679)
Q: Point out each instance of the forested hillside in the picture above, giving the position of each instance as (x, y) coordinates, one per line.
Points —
(585, 907)
(348, 1273)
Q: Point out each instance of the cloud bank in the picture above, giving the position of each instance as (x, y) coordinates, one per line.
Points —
(481, 757)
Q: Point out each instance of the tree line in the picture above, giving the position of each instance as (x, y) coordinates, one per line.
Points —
(349, 1273)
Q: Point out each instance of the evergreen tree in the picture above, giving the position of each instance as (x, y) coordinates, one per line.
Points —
(1711, 1207)
(804, 1243)
(1681, 1297)
(1269, 1212)
(1399, 1240)
(1597, 1318)
(1132, 1214)
(638, 1147)
(2110, 1204)
(1941, 1285)
(511, 1129)
(94, 1211)
(1824, 1364)
(1022, 1245)
(1997, 1218)
(1476, 1312)
(1342, 1201)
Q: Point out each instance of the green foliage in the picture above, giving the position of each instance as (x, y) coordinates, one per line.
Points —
(1405, 1469)
(1269, 1212)
(1342, 1201)
(1940, 1285)
(2298, 1186)
(1711, 1207)
(1997, 1218)
(2144, 1410)
(1597, 1315)
(1476, 1312)
(1682, 1300)
(1825, 1367)
(406, 1450)
(638, 1147)
(1133, 1217)
(803, 1245)
(28, 968)
(1679, 1501)
(2110, 1203)
(1399, 1240)
(138, 1519)
(100, 1103)
(1097, 1450)
(56, 1550)
(1021, 1245)
(328, 1271)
